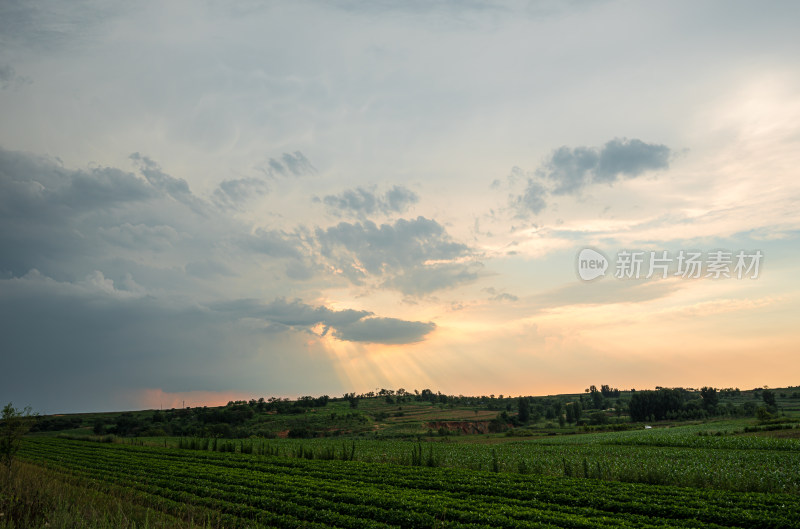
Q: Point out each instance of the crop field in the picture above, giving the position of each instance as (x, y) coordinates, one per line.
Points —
(250, 490)
(329, 464)
(702, 455)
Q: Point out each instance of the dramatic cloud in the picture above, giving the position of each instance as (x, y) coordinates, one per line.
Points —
(348, 325)
(69, 223)
(49, 216)
(177, 188)
(385, 331)
(175, 268)
(573, 169)
(58, 337)
(293, 314)
(136, 270)
(414, 256)
(361, 203)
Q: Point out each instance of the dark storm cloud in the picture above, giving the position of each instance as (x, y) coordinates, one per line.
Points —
(347, 325)
(104, 272)
(414, 256)
(290, 313)
(70, 223)
(50, 216)
(138, 236)
(573, 169)
(361, 202)
(177, 188)
(39, 186)
(79, 346)
(103, 188)
(385, 331)
(91, 340)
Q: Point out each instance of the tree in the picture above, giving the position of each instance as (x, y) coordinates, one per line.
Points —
(608, 391)
(710, 398)
(99, 426)
(14, 424)
(598, 417)
(769, 400)
(655, 405)
(597, 399)
(524, 410)
(569, 410)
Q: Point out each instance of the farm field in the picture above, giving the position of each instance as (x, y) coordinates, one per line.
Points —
(250, 490)
(715, 455)
(751, 469)
(472, 462)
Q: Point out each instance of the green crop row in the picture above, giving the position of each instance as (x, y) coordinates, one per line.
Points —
(675, 456)
(292, 492)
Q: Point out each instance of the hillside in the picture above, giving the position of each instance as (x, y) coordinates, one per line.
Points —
(400, 414)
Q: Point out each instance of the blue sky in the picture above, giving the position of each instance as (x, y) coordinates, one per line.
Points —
(202, 201)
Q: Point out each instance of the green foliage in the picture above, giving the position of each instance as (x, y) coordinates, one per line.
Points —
(658, 405)
(99, 427)
(598, 417)
(763, 415)
(769, 400)
(14, 423)
(710, 398)
(524, 413)
(597, 399)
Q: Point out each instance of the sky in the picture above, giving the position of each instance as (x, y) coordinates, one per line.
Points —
(211, 201)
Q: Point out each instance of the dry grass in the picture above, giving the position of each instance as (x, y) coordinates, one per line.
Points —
(33, 497)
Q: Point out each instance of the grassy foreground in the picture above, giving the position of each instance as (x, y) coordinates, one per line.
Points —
(33, 496)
